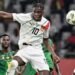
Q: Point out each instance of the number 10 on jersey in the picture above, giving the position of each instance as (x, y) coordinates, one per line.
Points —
(35, 31)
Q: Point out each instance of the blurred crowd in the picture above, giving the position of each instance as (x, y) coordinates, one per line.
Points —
(62, 34)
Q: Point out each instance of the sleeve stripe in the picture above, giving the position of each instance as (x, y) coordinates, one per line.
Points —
(46, 25)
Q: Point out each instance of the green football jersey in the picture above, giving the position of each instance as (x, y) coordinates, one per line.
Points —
(5, 59)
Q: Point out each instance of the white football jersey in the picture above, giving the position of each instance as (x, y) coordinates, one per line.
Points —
(31, 31)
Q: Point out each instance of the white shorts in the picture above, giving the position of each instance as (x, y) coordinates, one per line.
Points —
(35, 56)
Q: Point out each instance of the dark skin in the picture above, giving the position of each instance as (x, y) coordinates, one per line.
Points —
(5, 42)
(37, 15)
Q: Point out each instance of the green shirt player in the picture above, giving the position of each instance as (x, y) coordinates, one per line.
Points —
(30, 71)
(49, 59)
(5, 54)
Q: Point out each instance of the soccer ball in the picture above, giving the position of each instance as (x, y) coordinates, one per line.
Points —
(70, 17)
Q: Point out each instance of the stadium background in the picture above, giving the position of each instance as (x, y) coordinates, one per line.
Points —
(62, 34)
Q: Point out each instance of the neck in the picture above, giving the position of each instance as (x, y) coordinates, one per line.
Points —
(36, 19)
(5, 50)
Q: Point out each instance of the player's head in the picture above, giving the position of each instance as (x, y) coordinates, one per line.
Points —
(5, 41)
(38, 9)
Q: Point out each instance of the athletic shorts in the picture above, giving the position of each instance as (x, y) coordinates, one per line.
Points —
(35, 56)
(29, 70)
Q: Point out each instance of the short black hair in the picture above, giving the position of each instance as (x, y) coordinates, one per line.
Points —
(2, 35)
(40, 5)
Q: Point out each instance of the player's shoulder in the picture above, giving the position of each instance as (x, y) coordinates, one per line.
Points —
(44, 19)
(22, 15)
(45, 22)
(28, 16)
(25, 14)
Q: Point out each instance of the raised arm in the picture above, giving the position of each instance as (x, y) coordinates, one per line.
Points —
(6, 15)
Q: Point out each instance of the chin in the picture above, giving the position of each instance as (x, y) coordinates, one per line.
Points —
(37, 19)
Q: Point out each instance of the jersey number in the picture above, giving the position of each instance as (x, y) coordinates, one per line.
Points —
(35, 31)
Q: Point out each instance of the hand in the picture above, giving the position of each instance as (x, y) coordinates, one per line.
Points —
(57, 68)
(55, 58)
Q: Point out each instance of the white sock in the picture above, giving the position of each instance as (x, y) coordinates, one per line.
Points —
(12, 68)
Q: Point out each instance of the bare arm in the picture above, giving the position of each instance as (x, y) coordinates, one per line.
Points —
(45, 40)
(6, 15)
(55, 57)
